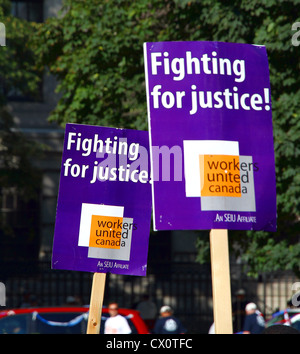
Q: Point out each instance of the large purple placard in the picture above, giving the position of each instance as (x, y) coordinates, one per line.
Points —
(211, 136)
(104, 202)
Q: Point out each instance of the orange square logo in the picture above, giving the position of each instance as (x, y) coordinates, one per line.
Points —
(106, 231)
(220, 176)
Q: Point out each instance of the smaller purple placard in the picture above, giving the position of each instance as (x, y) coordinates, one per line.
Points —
(104, 202)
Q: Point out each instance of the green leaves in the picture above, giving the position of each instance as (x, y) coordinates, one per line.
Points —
(18, 73)
(95, 51)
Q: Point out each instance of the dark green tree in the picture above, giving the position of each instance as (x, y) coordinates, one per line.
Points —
(18, 177)
(95, 50)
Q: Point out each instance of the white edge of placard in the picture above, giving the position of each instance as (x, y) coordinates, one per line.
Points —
(149, 130)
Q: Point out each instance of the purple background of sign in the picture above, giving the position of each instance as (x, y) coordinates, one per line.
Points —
(252, 129)
(135, 197)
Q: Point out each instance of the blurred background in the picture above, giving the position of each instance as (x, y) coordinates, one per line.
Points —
(82, 62)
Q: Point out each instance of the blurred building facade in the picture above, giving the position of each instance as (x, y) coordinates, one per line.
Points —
(31, 119)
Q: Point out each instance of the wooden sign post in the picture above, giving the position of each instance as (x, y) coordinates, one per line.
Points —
(220, 271)
(96, 302)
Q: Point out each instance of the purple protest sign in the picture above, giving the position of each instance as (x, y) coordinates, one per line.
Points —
(104, 202)
(211, 136)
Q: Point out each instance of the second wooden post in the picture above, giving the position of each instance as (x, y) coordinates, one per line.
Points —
(220, 270)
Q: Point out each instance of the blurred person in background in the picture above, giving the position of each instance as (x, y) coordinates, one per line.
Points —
(116, 324)
(254, 321)
(167, 323)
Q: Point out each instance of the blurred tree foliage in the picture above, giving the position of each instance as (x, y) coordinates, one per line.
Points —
(17, 72)
(18, 177)
(17, 60)
(94, 48)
